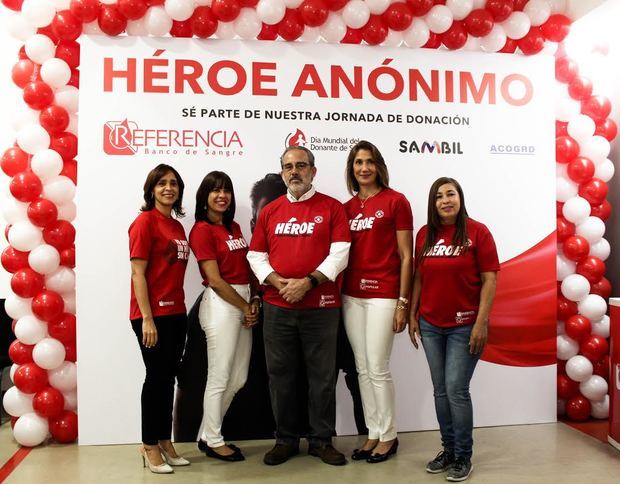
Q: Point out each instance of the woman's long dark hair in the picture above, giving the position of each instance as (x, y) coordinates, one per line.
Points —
(215, 181)
(152, 179)
(383, 178)
(434, 224)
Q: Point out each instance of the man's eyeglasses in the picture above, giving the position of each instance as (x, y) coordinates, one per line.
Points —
(300, 165)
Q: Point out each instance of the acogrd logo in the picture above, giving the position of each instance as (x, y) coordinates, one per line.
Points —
(118, 137)
(298, 138)
(431, 147)
(512, 149)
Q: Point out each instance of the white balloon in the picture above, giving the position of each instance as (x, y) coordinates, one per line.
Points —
(17, 403)
(69, 299)
(581, 128)
(71, 401)
(55, 72)
(14, 211)
(566, 108)
(40, 48)
(575, 287)
(158, 22)
(92, 28)
(576, 209)
(566, 347)
(30, 330)
(33, 138)
(595, 148)
(495, 40)
(517, 25)
(558, 6)
(61, 4)
(600, 249)
(271, 11)
(592, 307)
(561, 170)
(25, 236)
(439, 19)
(225, 31)
(592, 229)
(17, 307)
(67, 97)
(46, 164)
(460, 8)
(59, 189)
(579, 368)
(377, 7)
(293, 3)
(64, 378)
(49, 353)
(472, 44)
(334, 28)
(179, 10)
(549, 48)
(600, 409)
(604, 170)
(12, 371)
(137, 27)
(559, 327)
(393, 39)
(538, 11)
(67, 211)
(565, 189)
(203, 3)
(564, 267)
(417, 34)
(479, 3)
(30, 430)
(247, 25)
(594, 388)
(62, 280)
(109, 2)
(310, 34)
(19, 28)
(601, 327)
(44, 259)
(73, 124)
(39, 13)
(355, 14)
(23, 115)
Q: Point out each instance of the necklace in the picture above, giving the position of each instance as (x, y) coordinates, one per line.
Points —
(364, 200)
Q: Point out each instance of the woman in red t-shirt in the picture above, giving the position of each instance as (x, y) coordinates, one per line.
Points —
(453, 290)
(159, 251)
(226, 311)
(377, 283)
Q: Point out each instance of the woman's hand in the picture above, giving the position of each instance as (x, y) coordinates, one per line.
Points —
(250, 314)
(149, 332)
(478, 338)
(414, 331)
(400, 319)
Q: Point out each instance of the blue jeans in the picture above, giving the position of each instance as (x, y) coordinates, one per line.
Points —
(452, 366)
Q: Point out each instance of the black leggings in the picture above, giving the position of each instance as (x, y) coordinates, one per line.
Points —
(162, 364)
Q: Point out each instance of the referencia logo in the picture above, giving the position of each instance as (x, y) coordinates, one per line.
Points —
(512, 149)
(126, 138)
(433, 147)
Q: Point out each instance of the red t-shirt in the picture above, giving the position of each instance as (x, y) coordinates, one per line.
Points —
(229, 250)
(161, 241)
(297, 236)
(451, 280)
(374, 263)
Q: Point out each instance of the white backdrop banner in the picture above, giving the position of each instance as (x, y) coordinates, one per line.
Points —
(484, 119)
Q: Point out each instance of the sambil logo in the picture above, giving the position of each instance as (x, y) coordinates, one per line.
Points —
(298, 138)
(118, 137)
(435, 147)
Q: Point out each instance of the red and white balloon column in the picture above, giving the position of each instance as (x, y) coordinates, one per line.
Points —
(42, 164)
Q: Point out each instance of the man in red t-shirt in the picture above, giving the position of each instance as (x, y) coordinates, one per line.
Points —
(299, 247)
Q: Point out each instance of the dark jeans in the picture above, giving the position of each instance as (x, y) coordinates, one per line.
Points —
(452, 366)
(162, 363)
(312, 333)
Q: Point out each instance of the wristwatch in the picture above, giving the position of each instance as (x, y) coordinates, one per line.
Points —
(313, 280)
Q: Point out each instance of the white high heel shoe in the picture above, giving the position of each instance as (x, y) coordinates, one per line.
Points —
(174, 461)
(159, 469)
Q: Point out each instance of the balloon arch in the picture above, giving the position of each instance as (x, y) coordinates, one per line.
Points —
(43, 169)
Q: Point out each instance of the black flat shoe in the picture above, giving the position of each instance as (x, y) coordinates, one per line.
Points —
(359, 454)
(376, 458)
(236, 456)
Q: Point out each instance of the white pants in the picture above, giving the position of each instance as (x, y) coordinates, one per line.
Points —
(369, 327)
(229, 345)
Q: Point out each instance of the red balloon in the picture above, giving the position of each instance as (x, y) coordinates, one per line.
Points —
(203, 22)
(48, 403)
(313, 12)
(578, 408)
(375, 31)
(47, 31)
(268, 32)
(15, 5)
(592, 268)
(565, 69)
(576, 248)
(433, 42)
(566, 149)
(60, 234)
(558, 209)
(64, 429)
(567, 388)
(20, 353)
(290, 27)
(65, 144)
(580, 170)
(606, 128)
(69, 52)
(353, 36)
(561, 367)
(26, 186)
(420, 7)
(519, 4)
(37, 95)
(248, 3)
(13, 259)
(532, 43)
(594, 348)
(565, 308)
(500, 10)
(14, 161)
(70, 352)
(47, 305)
(181, 29)
(335, 5)
(226, 10)
(561, 128)
(24, 71)
(597, 107)
(69, 169)
(602, 288)
(111, 20)
(66, 26)
(564, 229)
(556, 28)
(602, 368)
(594, 191)
(479, 22)
(54, 119)
(580, 88)
(21, 53)
(155, 2)
(578, 327)
(398, 16)
(509, 47)
(74, 80)
(6, 232)
(30, 378)
(455, 37)
(132, 9)
(27, 283)
(85, 10)
(42, 212)
(63, 328)
(67, 257)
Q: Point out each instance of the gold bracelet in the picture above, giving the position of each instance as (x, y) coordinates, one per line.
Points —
(401, 307)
